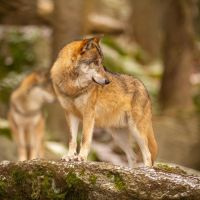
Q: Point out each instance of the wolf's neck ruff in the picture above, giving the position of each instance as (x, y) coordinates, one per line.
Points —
(74, 95)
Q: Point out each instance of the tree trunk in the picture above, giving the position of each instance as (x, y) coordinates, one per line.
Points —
(40, 179)
(178, 50)
(67, 24)
(145, 25)
(18, 12)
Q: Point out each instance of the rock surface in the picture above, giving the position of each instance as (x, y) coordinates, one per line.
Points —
(42, 179)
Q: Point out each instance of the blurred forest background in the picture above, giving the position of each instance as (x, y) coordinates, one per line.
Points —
(154, 40)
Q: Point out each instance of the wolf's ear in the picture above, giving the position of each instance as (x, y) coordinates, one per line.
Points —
(97, 39)
(89, 43)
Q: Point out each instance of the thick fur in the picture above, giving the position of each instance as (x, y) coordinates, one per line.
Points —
(25, 115)
(97, 97)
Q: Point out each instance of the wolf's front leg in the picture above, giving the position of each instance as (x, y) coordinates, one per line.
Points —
(73, 123)
(88, 126)
(21, 145)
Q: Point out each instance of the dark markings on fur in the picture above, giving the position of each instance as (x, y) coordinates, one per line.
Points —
(73, 75)
(126, 118)
(123, 83)
(86, 61)
(89, 60)
(99, 50)
(145, 103)
(135, 96)
(73, 96)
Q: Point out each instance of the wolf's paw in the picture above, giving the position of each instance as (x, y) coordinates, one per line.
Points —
(68, 158)
(80, 158)
(73, 157)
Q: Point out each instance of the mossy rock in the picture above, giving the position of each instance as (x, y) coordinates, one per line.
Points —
(42, 179)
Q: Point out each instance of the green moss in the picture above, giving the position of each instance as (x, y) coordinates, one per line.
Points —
(49, 190)
(19, 176)
(38, 184)
(76, 189)
(117, 180)
(93, 179)
(167, 168)
(82, 172)
(2, 188)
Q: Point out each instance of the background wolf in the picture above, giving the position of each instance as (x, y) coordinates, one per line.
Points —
(25, 115)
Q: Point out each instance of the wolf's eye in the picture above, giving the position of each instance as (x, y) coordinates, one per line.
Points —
(96, 62)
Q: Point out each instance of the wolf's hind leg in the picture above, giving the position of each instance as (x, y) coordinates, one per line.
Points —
(122, 139)
(142, 141)
(73, 123)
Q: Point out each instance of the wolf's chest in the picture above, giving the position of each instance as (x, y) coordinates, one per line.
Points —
(81, 102)
(24, 120)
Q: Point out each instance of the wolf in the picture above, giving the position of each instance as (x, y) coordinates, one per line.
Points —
(25, 115)
(91, 94)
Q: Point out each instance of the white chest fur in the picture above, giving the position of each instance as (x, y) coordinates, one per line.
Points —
(81, 102)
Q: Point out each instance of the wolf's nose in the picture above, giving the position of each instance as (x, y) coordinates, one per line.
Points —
(107, 81)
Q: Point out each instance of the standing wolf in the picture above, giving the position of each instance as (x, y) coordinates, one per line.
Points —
(25, 115)
(97, 97)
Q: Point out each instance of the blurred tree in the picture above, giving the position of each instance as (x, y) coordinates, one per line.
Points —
(17, 57)
(145, 25)
(67, 23)
(178, 49)
(18, 12)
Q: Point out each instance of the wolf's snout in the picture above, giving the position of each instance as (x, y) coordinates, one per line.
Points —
(100, 80)
(107, 81)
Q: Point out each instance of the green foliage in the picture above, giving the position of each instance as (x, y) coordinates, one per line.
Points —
(140, 56)
(16, 56)
(112, 65)
(5, 131)
(114, 45)
(93, 156)
(196, 100)
(16, 53)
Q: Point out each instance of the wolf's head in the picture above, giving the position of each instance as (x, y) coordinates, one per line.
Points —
(85, 58)
(37, 87)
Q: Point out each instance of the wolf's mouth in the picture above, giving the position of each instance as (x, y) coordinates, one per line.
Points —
(105, 82)
(96, 81)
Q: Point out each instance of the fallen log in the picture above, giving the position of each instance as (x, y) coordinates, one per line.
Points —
(42, 179)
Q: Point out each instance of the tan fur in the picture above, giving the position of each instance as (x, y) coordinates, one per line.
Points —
(123, 103)
(25, 115)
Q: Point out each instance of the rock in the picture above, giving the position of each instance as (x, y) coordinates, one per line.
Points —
(42, 179)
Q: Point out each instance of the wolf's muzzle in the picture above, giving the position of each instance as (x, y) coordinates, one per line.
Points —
(107, 81)
(101, 81)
